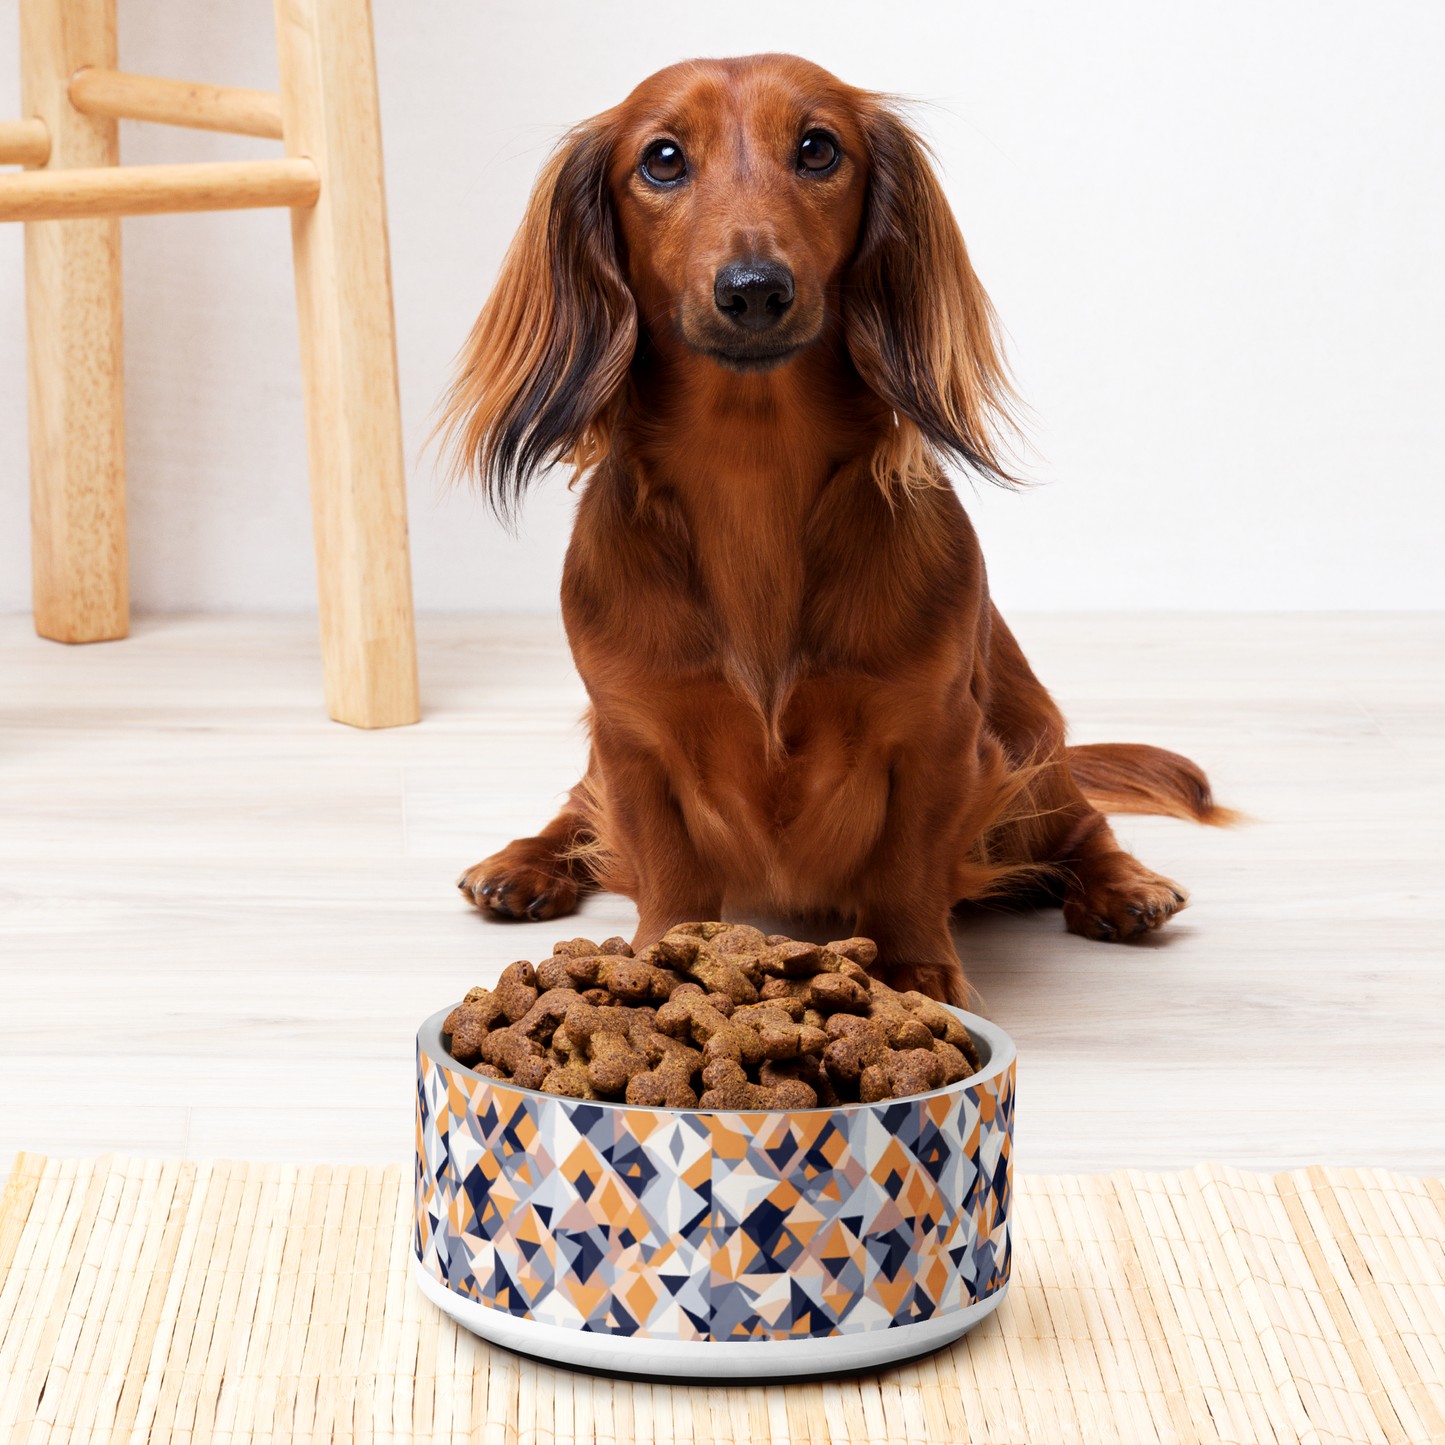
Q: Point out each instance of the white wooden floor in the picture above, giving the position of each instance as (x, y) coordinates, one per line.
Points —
(222, 916)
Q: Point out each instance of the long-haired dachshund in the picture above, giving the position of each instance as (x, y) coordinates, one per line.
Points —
(740, 306)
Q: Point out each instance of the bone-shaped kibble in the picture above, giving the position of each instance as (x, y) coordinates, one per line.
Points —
(856, 1043)
(612, 1060)
(781, 1036)
(575, 947)
(654, 1046)
(691, 956)
(903, 1029)
(738, 941)
(570, 1080)
(728, 1087)
(769, 1022)
(798, 960)
(720, 1001)
(566, 1048)
(704, 931)
(516, 989)
(841, 1025)
(692, 1017)
(742, 946)
(941, 1023)
(630, 979)
(545, 1016)
(470, 1022)
(787, 1004)
(656, 1089)
(585, 1019)
(899, 1074)
(552, 972)
(774, 989)
(806, 1069)
(642, 1031)
(955, 1065)
(862, 951)
(668, 1083)
(509, 1049)
(837, 993)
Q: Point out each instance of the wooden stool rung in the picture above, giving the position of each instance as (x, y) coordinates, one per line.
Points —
(96, 91)
(24, 142)
(154, 190)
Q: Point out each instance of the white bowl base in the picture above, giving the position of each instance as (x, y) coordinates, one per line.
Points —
(704, 1360)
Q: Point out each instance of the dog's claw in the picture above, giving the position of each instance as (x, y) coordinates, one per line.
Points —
(514, 892)
(1119, 900)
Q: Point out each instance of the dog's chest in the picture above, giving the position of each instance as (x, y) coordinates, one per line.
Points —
(795, 801)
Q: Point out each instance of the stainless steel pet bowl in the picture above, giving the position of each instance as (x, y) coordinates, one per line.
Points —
(713, 1245)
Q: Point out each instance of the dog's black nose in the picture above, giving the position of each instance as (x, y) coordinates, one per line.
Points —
(756, 294)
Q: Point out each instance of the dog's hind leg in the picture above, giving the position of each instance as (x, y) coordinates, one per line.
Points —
(1106, 892)
(1111, 895)
(541, 877)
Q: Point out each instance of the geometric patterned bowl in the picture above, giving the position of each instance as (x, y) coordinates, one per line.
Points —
(720, 1245)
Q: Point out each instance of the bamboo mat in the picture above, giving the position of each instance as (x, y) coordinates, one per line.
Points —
(156, 1300)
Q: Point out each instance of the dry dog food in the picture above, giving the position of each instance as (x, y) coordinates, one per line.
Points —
(714, 1016)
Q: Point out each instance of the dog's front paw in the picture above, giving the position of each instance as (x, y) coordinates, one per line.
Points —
(1115, 898)
(517, 883)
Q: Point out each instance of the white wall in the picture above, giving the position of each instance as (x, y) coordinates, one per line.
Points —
(1212, 231)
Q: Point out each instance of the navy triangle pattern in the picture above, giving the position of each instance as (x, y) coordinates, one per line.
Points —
(670, 1224)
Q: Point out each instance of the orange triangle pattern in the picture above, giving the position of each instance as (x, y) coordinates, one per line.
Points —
(670, 1224)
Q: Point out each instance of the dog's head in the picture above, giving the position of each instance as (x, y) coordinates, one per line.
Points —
(739, 189)
(732, 214)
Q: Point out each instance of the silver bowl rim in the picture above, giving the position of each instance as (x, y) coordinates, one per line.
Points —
(996, 1054)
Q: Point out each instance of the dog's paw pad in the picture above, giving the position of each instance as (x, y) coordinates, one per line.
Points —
(520, 892)
(1116, 899)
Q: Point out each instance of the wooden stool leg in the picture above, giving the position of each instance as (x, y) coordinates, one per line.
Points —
(72, 307)
(348, 360)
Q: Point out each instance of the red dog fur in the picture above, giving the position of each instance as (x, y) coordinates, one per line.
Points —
(803, 701)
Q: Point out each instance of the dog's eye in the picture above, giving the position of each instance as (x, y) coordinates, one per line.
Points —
(664, 162)
(818, 151)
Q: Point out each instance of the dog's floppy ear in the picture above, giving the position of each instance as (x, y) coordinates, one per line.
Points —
(919, 326)
(539, 377)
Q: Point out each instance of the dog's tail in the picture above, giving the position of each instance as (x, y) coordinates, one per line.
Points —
(1135, 778)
